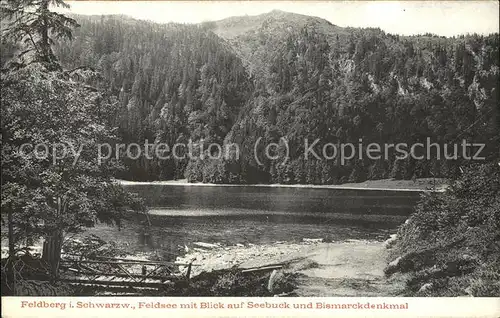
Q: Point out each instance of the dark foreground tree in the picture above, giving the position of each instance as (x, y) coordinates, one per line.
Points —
(31, 24)
(52, 122)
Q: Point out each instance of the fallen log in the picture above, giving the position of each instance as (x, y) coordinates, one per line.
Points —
(205, 245)
(262, 268)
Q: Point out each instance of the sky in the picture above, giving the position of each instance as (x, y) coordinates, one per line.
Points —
(446, 18)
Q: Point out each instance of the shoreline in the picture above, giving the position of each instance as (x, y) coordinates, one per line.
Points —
(422, 185)
(353, 268)
(339, 268)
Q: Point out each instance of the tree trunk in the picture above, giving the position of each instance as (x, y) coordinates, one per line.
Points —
(11, 279)
(52, 252)
(53, 244)
(45, 45)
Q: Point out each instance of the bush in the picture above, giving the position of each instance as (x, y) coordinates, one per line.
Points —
(451, 241)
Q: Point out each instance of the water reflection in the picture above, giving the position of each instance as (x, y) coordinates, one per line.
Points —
(180, 215)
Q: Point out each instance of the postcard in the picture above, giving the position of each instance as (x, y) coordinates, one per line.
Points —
(250, 158)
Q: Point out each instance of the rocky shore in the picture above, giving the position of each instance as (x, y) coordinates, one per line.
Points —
(206, 257)
(347, 268)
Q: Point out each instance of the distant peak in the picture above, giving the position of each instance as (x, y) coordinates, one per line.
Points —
(279, 12)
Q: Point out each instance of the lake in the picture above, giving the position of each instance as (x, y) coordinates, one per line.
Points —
(180, 215)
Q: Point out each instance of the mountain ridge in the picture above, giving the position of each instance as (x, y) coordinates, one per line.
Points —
(288, 18)
(306, 80)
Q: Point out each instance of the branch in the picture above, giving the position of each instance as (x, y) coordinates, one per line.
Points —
(32, 41)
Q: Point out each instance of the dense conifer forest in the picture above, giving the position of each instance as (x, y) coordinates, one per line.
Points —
(282, 75)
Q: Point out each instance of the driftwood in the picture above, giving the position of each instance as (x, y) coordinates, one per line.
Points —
(205, 245)
(262, 268)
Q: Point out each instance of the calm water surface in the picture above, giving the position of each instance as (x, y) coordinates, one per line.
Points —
(180, 215)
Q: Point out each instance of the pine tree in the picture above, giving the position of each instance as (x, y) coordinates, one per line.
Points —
(31, 23)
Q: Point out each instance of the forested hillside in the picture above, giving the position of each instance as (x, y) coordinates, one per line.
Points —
(286, 75)
(173, 83)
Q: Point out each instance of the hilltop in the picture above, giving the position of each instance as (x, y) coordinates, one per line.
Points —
(257, 39)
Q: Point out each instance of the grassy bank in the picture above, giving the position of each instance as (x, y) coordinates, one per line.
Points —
(451, 245)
